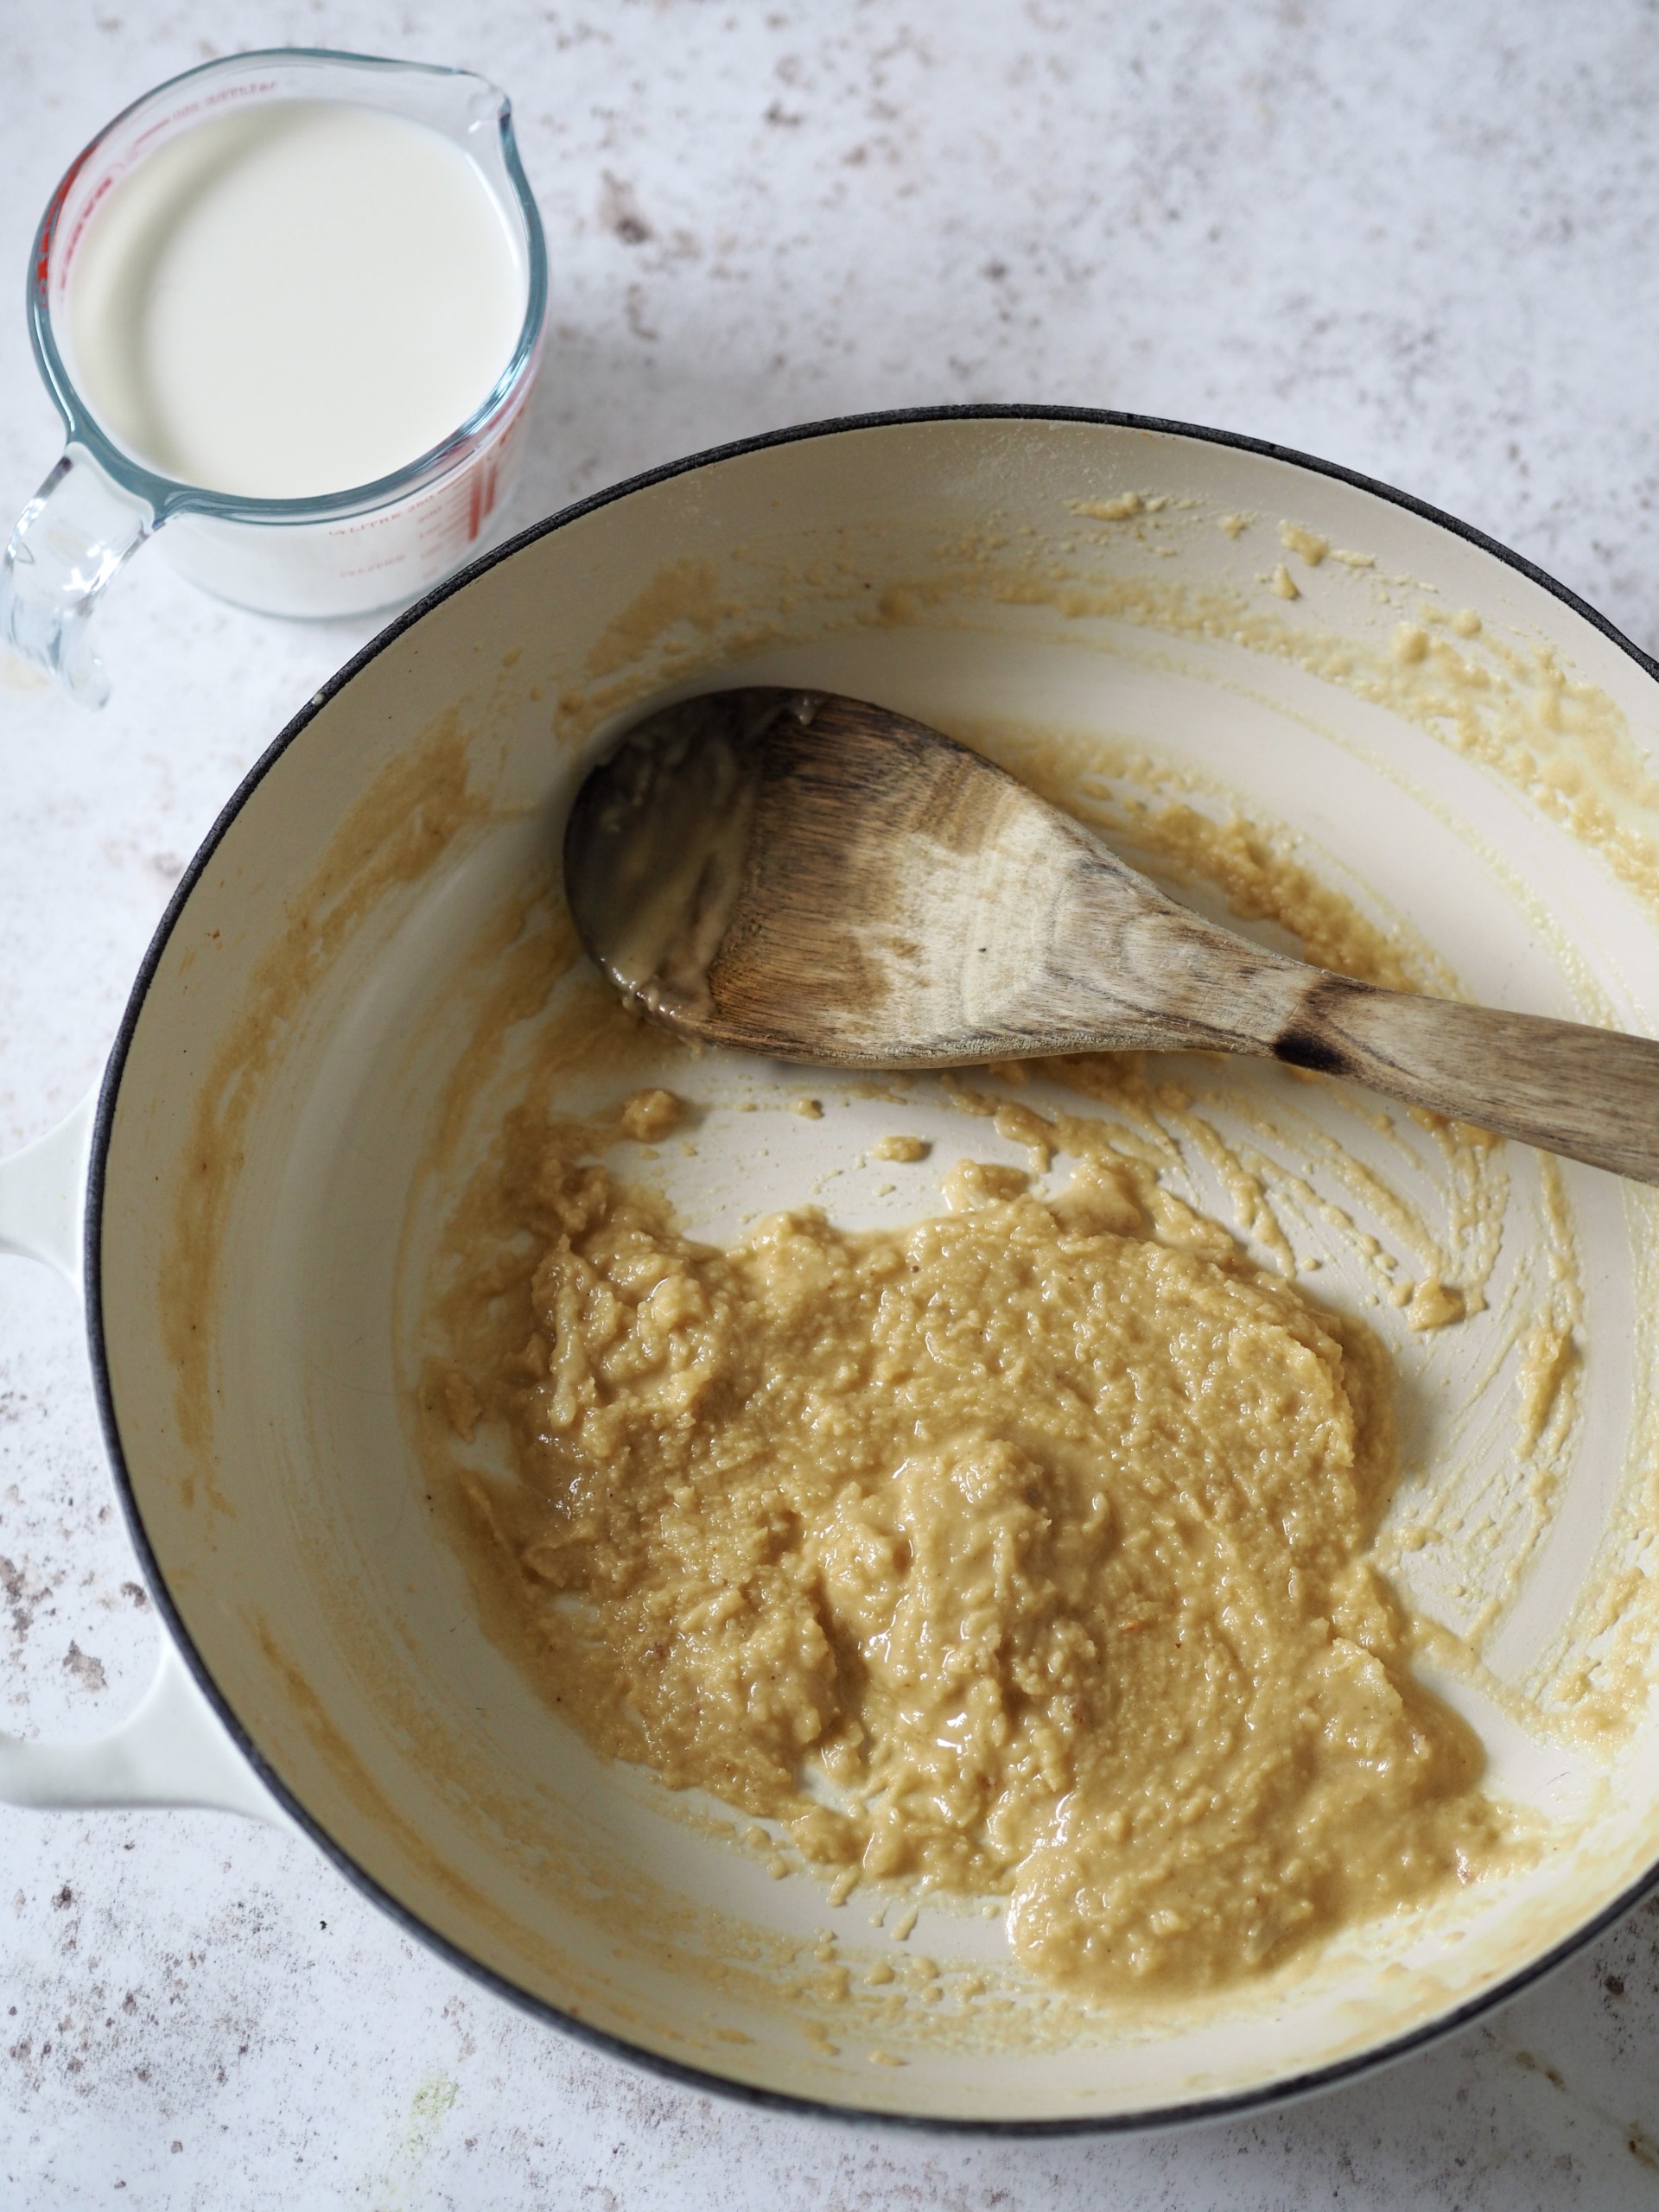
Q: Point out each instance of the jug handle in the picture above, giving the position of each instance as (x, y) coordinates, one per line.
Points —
(64, 548)
(172, 1749)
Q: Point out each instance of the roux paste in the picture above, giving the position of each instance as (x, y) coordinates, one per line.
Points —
(1021, 1550)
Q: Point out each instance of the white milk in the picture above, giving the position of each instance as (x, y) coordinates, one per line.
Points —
(294, 299)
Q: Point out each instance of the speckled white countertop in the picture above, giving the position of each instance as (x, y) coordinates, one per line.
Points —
(1417, 240)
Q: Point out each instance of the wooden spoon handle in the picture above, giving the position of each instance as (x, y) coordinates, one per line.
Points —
(1593, 1094)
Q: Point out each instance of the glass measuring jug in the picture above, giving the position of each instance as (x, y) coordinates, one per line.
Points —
(345, 551)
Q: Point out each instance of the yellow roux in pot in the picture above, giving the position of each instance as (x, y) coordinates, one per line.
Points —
(1022, 1550)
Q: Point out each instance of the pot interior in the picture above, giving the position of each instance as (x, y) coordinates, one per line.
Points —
(345, 1004)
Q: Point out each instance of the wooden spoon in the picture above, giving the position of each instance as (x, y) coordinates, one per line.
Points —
(820, 879)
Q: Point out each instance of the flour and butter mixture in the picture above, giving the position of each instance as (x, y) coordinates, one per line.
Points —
(1021, 1549)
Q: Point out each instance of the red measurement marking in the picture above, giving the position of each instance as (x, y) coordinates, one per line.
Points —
(66, 261)
(49, 225)
(371, 568)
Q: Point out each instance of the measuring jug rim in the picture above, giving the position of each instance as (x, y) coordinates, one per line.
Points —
(166, 495)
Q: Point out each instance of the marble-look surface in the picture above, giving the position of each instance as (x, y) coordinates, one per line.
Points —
(1417, 240)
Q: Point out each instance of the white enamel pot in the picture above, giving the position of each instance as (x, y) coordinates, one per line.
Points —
(253, 1199)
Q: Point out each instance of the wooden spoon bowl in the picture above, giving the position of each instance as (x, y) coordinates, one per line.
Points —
(820, 879)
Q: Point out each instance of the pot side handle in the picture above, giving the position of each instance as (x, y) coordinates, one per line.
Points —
(41, 1193)
(172, 1749)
